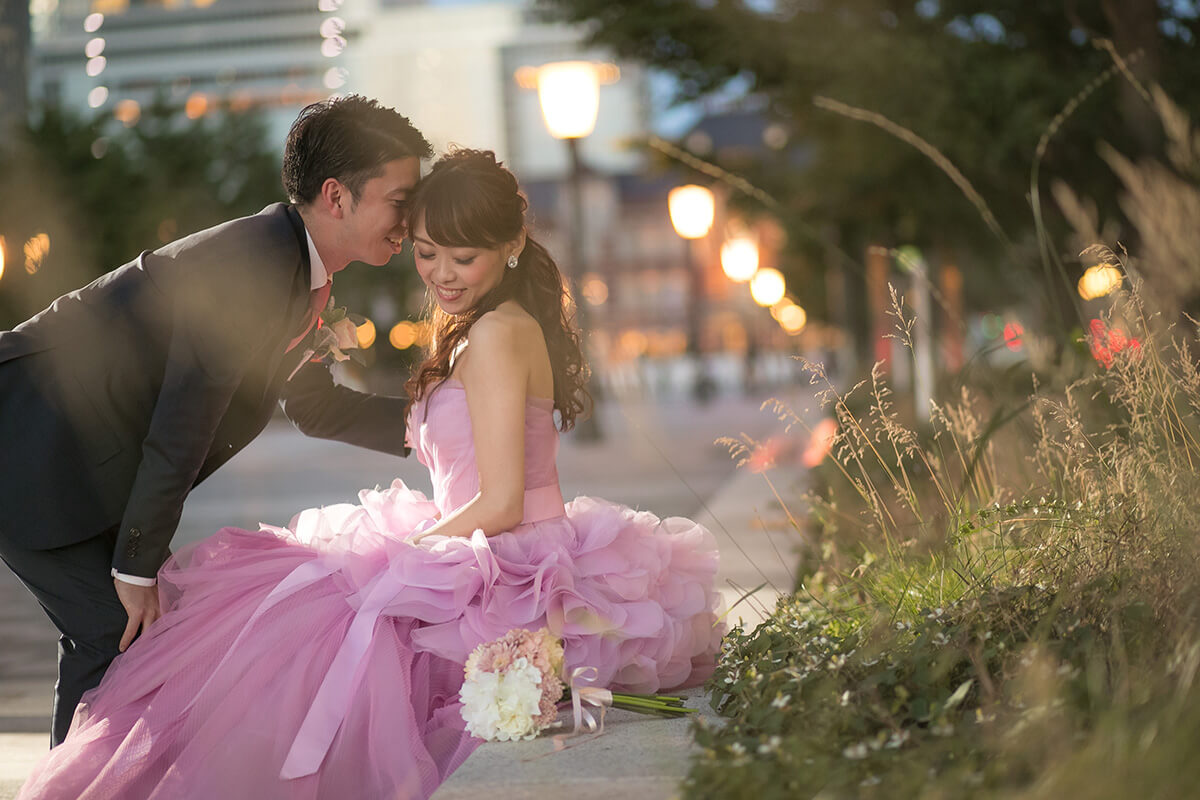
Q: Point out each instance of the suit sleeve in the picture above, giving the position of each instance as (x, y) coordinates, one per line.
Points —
(324, 409)
(214, 338)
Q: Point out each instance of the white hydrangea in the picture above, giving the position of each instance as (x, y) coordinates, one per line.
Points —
(503, 706)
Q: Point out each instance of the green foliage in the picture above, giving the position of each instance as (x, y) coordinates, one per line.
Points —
(953, 636)
(104, 193)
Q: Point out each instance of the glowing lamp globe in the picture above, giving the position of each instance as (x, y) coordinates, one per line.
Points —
(569, 92)
(767, 287)
(739, 259)
(793, 319)
(692, 209)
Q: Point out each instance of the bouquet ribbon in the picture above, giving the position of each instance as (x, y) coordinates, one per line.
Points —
(591, 695)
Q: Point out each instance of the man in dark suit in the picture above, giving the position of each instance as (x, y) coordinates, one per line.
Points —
(121, 396)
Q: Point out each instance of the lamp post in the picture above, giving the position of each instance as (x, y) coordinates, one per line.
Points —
(692, 209)
(569, 96)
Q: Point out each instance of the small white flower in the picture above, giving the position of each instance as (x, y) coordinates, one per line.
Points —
(856, 752)
(769, 746)
(871, 780)
(943, 729)
(844, 700)
(781, 701)
(738, 749)
(897, 739)
(503, 706)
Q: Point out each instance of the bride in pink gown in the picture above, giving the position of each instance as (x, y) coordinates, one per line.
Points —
(324, 659)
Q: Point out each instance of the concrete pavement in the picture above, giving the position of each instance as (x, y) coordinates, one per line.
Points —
(656, 455)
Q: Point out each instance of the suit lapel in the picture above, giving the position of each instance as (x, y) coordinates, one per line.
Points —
(297, 308)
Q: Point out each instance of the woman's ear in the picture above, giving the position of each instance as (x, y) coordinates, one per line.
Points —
(517, 244)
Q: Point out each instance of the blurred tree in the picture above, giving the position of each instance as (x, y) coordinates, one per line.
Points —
(102, 193)
(979, 80)
(14, 63)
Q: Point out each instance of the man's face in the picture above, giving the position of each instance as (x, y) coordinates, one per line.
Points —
(373, 228)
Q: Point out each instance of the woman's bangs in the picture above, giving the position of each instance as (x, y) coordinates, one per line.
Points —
(455, 216)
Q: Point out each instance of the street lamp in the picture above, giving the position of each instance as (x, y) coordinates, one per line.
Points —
(569, 96)
(739, 258)
(692, 209)
(767, 287)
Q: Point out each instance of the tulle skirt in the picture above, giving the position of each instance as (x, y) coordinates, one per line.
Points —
(324, 659)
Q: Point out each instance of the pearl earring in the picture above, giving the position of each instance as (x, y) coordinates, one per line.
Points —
(512, 262)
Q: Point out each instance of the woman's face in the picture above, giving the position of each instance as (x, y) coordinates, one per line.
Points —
(458, 277)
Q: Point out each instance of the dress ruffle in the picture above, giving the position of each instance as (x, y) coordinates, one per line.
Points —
(261, 651)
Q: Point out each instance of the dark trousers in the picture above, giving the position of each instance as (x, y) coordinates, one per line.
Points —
(75, 588)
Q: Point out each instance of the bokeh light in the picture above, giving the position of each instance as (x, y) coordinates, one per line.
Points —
(569, 93)
(991, 325)
(1013, 331)
(366, 334)
(94, 47)
(793, 319)
(36, 250)
(403, 335)
(332, 26)
(739, 258)
(633, 343)
(95, 66)
(1098, 281)
(691, 208)
(333, 46)
(196, 106)
(335, 77)
(128, 112)
(767, 287)
(824, 434)
(92, 22)
(595, 290)
(3, 245)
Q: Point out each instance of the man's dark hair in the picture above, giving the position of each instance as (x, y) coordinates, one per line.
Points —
(349, 138)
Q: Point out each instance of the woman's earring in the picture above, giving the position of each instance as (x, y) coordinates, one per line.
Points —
(512, 262)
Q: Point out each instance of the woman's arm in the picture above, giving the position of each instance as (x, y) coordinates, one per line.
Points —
(495, 373)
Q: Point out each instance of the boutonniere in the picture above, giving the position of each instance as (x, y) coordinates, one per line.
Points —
(335, 338)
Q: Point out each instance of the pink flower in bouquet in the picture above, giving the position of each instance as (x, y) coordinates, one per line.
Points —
(513, 685)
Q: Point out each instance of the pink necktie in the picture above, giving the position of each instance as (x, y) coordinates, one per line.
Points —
(316, 304)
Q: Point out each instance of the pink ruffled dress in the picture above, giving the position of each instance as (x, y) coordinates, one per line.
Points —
(324, 659)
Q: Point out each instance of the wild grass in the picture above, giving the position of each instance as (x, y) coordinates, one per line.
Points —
(1004, 603)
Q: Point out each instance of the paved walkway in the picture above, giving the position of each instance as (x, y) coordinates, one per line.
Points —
(656, 457)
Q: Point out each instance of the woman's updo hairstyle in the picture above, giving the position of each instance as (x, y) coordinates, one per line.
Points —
(469, 199)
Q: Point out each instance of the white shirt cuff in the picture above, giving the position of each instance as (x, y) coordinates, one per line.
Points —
(136, 580)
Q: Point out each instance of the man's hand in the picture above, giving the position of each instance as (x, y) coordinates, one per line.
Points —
(141, 604)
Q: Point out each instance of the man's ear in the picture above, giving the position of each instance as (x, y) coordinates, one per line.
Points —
(335, 198)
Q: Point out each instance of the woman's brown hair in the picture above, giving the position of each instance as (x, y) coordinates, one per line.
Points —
(469, 199)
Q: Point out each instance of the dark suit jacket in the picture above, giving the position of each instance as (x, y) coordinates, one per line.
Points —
(121, 396)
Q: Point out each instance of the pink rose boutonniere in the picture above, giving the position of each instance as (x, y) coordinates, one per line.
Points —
(335, 338)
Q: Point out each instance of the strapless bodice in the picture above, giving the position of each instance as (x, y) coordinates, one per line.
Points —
(440, 433)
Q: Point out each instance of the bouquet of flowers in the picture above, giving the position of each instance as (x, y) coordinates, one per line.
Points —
(514, 684)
